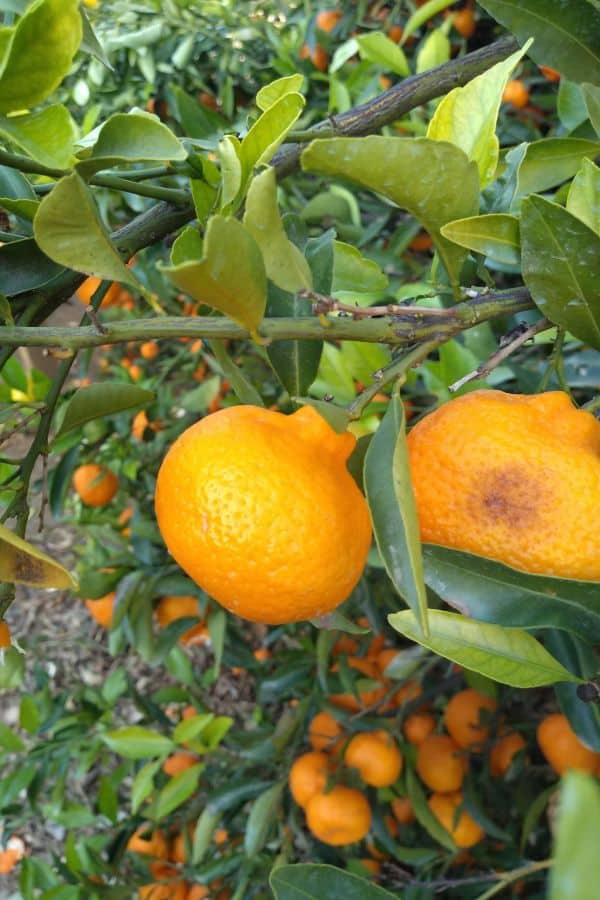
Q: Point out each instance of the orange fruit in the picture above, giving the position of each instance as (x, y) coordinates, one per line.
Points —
(221, 836)
(417, 727)
(512, 477)
(549, 73)
(463, 718)
(175, 890)
(403, 811)
(11, 854)
(241, 500)
(409, 691)
(319, 56)
(135, 372)
(327, 19)
(372, 866)
(148, 843)
(139, 425)
(88, 288)
(179, 762)
(324, 732)
(101, 610)
(561, 746)
(366, 698)
(345, 644)
(464, 22)
(178, 847)
(149, 350)
(95, 485)
(171, 608)
(376, 756)
(384, 658)
(308, 776)
(340, 817)
(516, 94)
(504, 751)
(421, 242)
(440, 763)
(197, 892)
(466, 832)
(4, 635)
(395, 33)
(262, 654)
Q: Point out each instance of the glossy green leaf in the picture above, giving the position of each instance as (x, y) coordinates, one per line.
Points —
(9, 740)
(575, 870)
(491, 592)
(423, 14)
(90, 43)
(69, 230)
(261, 818)
(231, 275)
(192, 727)
(22, 563)
(24, 268)
(583, 199)
(424, 815)
(380, 49)
(179, 789)
(561, 267)
(566, 35)
(187, 245)
(591, 96)
(269, 131)
(307, 881)
(496, 235)
(46, 136)
(205, 198)
(271, 93)
(508, 655)
(285, 265)
(393, 509)
(551, 161)
(132, 137)
(433, 180)
(434, 51)
(25, 209)
(230, 156)
(143, 784)
(354, 272)
(467, 116)
(136, 742)
(570, 104)
(205, 828)
(29, 714)
(580, 657)
(99, 400)
(39, 53)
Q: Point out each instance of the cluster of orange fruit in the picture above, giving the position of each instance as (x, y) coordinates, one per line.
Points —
(169, 609)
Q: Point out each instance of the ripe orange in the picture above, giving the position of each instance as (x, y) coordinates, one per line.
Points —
(88, 288)
(464, 22)
(549, 73)
(516, 94)
(340, 817)
(148, 843)
(376, 756)
(171, 608)
(178, 847)
(512, 477)
(319, 56)
(102, 609)
(421, 242)
(135, 372)
(261, 511)
(504, 751)
(174, 890)
(149, 350)
(179, 762)
(366, 698)
(95, 484)
(197, 892)
(385, 657)
(418, 726)
(395, 33)
(409, 691)
(466, 832)
(4, 635)
(403, 810)
(308, 776)
(561, 746)
(324, 732)
(11, 854)
(463, 716)
(327, 19)
(440, 763)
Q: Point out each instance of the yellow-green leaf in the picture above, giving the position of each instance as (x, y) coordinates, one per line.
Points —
(270, 93)
(47, 136)
(495, 235)
(583, 200)
(22, 563)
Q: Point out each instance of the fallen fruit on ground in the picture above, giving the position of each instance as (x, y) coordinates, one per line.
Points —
(341, 816)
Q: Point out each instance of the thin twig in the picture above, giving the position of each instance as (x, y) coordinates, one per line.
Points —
(93, 317)
(325, 304)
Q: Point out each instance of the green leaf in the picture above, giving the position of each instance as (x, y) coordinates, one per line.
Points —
(591, 96)
(231, 275)
(269, 131)
(467, 116)
(68, 228)
(285, 265)
(574, 873)
(380, 49)
(205, 197)
(29, 715)
(108, 798)
(132, 137)
(354, 272)
(24, 268)
(143, 784)
(434, 51)
(205, 827)
(177, 791)
(242, 387)
(508, 655)
(39, 53)
(191, 728)
(583, 199)
(307, 881)
(433, 180)
(496, 235)
(9, 740)
(393, 510)
(424, 815)
(570, 104)
(229, 152)
(271, 93)
(491, 592)
(46, 136)
(25, 209)
(261, 818)
(551, 161)
(99, 400)
(422, 14)
(22, 563)
(136, 742)
(566, 35)
(580, 657)
(561, 267)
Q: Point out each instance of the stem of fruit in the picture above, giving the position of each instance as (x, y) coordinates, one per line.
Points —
(516, 875)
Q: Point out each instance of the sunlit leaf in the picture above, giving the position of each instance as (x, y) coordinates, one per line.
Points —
(379, 48)
(551, 161)
(179, 789)
(583, 199)
(99, 400)
(354, 272)
(135, 742)
(22, 563)
(271, 93)
(46, 136)
(577, 829)
(131, 137)
(496, 235)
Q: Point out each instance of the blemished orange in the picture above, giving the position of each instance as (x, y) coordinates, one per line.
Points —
(324, 732)
(417, 727)
(96, 485)
(327, 19)
(466, 832)
(516, 94)
(441, 764)
(562, 748)
(377, 757)
(149, 350)
(171, 608)
(4, 635)
(149, 843)
(308, 776)
(101, 610)
(339, 817)
(465, 718)
(513, 477)
(403, 810)
(260, 510)
(179, 762)
(504, 751)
